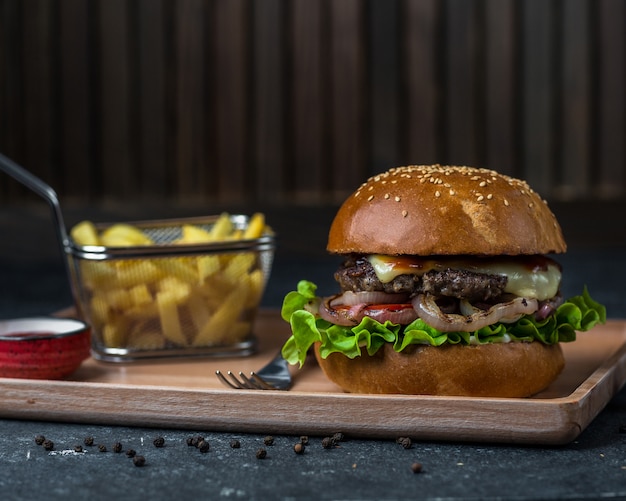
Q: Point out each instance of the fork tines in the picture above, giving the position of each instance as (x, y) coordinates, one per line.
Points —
(253, 382)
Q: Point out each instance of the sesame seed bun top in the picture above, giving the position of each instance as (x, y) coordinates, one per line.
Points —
(445, 210)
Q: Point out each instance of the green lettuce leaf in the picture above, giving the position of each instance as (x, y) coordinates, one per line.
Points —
(579, 313)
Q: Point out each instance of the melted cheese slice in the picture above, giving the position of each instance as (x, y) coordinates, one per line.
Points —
(535, 277)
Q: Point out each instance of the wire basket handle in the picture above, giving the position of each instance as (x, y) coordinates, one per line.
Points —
(43, 190)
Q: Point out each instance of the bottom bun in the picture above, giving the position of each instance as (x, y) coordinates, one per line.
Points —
(490, 370)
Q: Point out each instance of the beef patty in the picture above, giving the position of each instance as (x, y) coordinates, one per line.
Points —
(357, 274)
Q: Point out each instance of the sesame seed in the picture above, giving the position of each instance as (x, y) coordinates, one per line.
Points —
(482, 184)
(386, 196)
(490, 196)
(397, 199)
(404, 213)
(370, 198)
(437, 194)
(452, 192)
(506, 202)
(480, 198)
(530, 204)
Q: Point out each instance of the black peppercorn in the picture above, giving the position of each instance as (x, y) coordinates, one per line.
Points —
(40, 439)
(299, 448)
(196, 440)
(405, 442)
(269, 440)
(78, 448)
(102, 448)
(48, 445)
(131, 453)
(338, 437)
(203, 446)
(304, 440)
(328, 443)
(139, 460)
(191, 441)
(117, 447)
(416, 467)
(159, 442)
(88, 441)
(261, 454)
(235, 444)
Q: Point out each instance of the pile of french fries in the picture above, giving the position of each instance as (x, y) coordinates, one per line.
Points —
(172, 302)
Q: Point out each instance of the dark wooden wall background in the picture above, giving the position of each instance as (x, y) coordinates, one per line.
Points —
(298, 101)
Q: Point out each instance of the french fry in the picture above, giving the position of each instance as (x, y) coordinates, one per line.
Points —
(97, 274)
(170, 321)
(239, 266)
(256, 284)
(176, 267)
(100, 309)
(85, 233)
(222, 228)
(207, 266)
(174, 289)
(124, 235)
(194, 235)
(119, 298)
(256, 226)
(216, 329)
(198, 310)
(140, 295)
(130, 273)
(114, 333)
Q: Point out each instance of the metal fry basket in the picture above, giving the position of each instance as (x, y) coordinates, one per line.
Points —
(170, 299)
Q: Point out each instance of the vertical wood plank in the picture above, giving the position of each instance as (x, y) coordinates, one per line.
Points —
(538, 94)
(75, 95)
(573, 176)
(347, 97)
(191, 173)
(383, 68)
(270, 98)
(11, 92)
(38, 90)
(232, 99)
(500, 87)
(117, 166)
(461, 110)
(610, 169)
(421, 87)
(152, 39)
(310, 175)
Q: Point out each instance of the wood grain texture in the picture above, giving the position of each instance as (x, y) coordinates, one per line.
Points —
(422, 92)
(116, 145)
(76, 94)
(297, 102)
(186, 394)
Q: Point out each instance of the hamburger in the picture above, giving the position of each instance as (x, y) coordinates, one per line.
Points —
(446, 287)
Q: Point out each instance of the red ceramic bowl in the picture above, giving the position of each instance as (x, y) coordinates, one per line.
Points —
(42, 347)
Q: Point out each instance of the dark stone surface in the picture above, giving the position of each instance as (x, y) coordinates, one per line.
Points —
(33, 282)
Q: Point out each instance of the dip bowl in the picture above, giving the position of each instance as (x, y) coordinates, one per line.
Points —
(42, 347)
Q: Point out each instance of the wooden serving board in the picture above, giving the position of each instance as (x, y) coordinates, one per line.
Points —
(185, 393)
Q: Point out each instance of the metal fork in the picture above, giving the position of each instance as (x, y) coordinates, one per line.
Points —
(273, 376)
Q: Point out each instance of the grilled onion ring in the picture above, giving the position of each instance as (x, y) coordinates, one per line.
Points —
(342, 310)
(429, 312)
